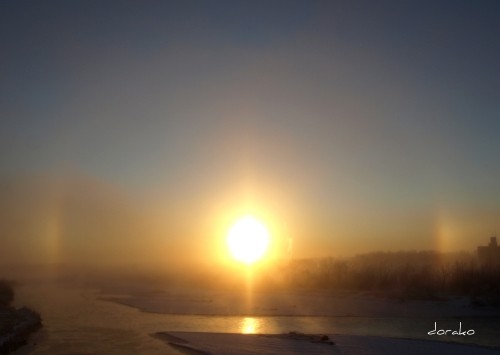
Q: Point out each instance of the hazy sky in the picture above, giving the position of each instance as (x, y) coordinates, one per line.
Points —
(348, 126)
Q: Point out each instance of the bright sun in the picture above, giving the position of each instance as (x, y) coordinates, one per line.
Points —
(248, 240)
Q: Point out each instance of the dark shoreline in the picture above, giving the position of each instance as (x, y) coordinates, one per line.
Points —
(19, 324)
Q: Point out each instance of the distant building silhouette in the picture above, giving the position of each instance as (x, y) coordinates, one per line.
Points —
(489, 254)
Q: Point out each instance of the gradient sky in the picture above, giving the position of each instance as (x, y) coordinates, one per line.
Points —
(348, 126)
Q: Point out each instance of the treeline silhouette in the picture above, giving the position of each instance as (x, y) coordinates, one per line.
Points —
(404, 275)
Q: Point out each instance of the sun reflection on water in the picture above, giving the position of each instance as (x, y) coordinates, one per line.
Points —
(250, 325)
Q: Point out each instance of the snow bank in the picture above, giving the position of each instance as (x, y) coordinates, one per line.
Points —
(259, 344)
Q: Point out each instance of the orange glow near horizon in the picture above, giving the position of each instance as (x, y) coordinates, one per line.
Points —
(248, 240)
(249, 325)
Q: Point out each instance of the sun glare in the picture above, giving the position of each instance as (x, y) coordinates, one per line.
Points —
(249, 325)
(248, 240)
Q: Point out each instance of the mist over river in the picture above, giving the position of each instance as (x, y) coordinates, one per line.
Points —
(76, 321)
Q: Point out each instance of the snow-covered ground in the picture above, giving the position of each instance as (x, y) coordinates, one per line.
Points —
(201, 302)
(245, 344)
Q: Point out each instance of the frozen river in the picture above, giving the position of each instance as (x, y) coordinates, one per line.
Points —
(77, 322)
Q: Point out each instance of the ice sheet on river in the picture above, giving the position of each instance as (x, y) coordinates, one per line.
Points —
(258, 344)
